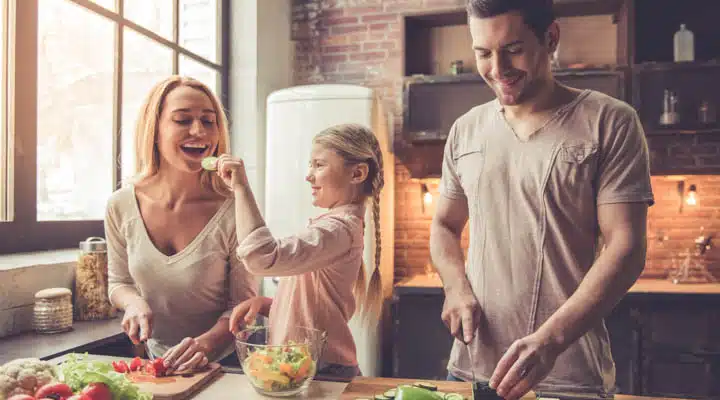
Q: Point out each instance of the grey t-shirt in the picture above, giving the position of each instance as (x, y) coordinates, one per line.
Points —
(533, 223)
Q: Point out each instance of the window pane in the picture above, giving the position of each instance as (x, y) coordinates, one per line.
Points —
(199, 27)
(109, 4)
(75, 112)
(4, 168)
(145, 63)
(209, 76)
(155, 15)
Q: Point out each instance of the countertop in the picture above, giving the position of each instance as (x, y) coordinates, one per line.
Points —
(431, 284)
(86, 334)
(233, 386)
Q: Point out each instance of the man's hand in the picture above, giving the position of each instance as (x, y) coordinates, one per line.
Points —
(527, 362)
(461, 313)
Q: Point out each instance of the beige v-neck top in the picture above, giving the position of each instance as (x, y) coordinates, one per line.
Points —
(534, 226)
(187, 292)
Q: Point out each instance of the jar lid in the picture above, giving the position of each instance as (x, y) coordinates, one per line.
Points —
(53, 293)
(93, 244)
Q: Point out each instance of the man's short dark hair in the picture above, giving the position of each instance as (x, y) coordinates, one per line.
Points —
(538, 14)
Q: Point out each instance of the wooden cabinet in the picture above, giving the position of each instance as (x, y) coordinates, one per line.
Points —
(665, 345)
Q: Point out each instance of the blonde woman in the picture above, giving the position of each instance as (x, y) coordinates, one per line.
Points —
(171, 232)
(321, 268)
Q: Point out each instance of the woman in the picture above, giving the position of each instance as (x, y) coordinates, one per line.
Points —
(171, 232)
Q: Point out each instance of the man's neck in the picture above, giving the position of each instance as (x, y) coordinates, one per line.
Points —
(549, 96)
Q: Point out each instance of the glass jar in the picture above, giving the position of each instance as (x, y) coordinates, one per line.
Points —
(91, 281)
(53, 310)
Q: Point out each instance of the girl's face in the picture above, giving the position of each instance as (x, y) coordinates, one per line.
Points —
(188, 129)
(332, 180)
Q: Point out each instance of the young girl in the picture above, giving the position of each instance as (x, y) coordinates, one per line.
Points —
(322, 270)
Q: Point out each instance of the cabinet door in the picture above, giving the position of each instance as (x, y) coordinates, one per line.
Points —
(421, 342)
(679, 375)
(624, 331)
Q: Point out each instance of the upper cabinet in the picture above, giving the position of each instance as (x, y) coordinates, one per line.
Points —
(623, 48)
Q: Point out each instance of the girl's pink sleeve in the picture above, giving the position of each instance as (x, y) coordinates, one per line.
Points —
(323, 243)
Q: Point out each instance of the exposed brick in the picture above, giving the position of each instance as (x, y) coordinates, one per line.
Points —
(368, 56)
(340, 20)
(363, 10)
(379, 27)
(339, 30)
(380, 18)
(341, 49)
(334, 58)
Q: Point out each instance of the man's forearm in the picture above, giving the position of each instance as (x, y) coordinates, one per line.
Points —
(612, 274)
(446, 254)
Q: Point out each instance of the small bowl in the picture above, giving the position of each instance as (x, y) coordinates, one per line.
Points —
(280, 364)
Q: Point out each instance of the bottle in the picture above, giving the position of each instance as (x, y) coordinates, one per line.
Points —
(684, 45)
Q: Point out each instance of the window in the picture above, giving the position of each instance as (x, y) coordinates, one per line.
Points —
(75, 73)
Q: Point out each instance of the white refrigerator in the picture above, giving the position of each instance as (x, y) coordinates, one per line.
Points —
(294, 116)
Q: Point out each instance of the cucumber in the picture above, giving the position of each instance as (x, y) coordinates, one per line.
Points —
(209, 163)
(425, 385)
(381, 397)
(405, 392)
(390, 393)
(454, 396)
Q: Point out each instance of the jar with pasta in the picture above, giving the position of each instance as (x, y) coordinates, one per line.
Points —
(91, 282)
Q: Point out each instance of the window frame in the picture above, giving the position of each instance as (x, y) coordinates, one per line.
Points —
(23, 232)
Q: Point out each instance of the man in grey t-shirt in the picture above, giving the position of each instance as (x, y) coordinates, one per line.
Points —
(541, 173)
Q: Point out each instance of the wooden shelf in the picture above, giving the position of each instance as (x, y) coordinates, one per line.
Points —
(682, 130)
(690, 66)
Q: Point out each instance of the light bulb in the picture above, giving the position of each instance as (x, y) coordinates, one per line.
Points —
(427, 198)
(692, 196)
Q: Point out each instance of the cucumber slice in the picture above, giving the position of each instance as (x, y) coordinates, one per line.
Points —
(426, 385)
(381, 397)
(390, 393)
(454, 396)
(441, 394)
(209, 163)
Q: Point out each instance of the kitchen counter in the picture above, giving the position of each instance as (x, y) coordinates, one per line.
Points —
(84, 335)
(431, 284)
(233, 386)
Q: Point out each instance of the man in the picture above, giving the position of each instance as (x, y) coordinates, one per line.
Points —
(542, 173)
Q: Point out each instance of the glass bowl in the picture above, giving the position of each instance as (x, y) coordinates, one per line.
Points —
(282, 363)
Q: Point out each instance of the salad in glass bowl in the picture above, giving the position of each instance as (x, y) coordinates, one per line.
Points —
(281, 364)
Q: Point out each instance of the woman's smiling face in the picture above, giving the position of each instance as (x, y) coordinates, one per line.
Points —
(187, 130)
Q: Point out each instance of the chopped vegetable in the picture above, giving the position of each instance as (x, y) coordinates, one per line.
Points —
(280, 368)
(78, 373)
(210, 163)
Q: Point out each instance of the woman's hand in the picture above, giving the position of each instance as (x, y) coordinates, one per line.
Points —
(188, 355)
(137, 321)
(232, 171)
(246, 312)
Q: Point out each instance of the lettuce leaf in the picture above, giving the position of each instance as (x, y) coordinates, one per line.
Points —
(77, 372)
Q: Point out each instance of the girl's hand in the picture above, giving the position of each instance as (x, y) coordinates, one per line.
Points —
(137, 321)
(245, 313)
(232, 171)
(187, 355)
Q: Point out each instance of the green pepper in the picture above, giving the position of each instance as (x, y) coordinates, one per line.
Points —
(415, 393)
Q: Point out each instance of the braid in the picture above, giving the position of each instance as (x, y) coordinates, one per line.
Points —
(374, 293)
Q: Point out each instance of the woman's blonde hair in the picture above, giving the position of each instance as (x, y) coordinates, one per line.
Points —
(357, 144)
(147, 155)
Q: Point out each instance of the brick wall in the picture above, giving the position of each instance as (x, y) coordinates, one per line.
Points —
(360, 41)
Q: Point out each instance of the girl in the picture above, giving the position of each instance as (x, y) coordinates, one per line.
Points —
(323, 277)
(171, 233)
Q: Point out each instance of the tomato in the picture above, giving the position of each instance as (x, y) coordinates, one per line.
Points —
(97, 391)
(21, 397)
(80, 397)
(53, 390)
(136, 364)
(159, 366)
(150, 369)
(121, 366)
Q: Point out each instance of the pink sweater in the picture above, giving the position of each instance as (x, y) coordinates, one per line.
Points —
(318, 267)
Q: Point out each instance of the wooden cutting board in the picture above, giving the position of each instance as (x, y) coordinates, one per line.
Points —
(177, 386)
(368, 387)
